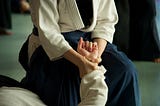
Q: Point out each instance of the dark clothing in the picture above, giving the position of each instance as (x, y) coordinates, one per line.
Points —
(136, 32)
(57, 82)
(15, 6)
(86, 10)
(9, 82)
(144, 41)
(121, 36)
(5, 14)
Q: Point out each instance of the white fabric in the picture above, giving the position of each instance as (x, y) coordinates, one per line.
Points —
(93, 92)
(52, 17)
(93, 89)
(14, 96)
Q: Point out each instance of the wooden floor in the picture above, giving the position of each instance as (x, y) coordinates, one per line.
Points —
(149, 73)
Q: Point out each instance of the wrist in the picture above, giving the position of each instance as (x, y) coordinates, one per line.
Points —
(85, 66)
(72, 56)
(95, 60)
(102, 43)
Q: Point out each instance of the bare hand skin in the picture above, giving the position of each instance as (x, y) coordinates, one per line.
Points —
(85, 66)
(88, 55)
(89, 50)
(101, 45)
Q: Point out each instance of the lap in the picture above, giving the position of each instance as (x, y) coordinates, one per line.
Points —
(58, 81)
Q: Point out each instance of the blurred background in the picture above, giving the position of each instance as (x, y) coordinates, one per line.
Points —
(137, 37)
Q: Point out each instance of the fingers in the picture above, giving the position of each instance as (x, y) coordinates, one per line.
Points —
(86, 45)
(94, 46)
(90, 46)
(81, 48)
(89, 50)
(80, 43)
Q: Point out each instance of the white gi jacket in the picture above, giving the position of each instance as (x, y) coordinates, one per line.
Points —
(52, 17)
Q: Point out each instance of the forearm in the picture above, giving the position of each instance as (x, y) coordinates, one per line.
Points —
(73, 57)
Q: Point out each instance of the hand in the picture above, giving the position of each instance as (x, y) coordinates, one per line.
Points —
(86, 66)
(102, 43)
(89, 50)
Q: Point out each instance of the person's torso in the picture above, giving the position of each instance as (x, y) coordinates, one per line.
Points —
(73, 14)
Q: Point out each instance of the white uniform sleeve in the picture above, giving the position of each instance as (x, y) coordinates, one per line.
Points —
(14, 96)
(93, 89)
(107, 17)
(50, 35)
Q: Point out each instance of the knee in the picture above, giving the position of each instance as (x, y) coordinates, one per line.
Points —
(130, 70)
